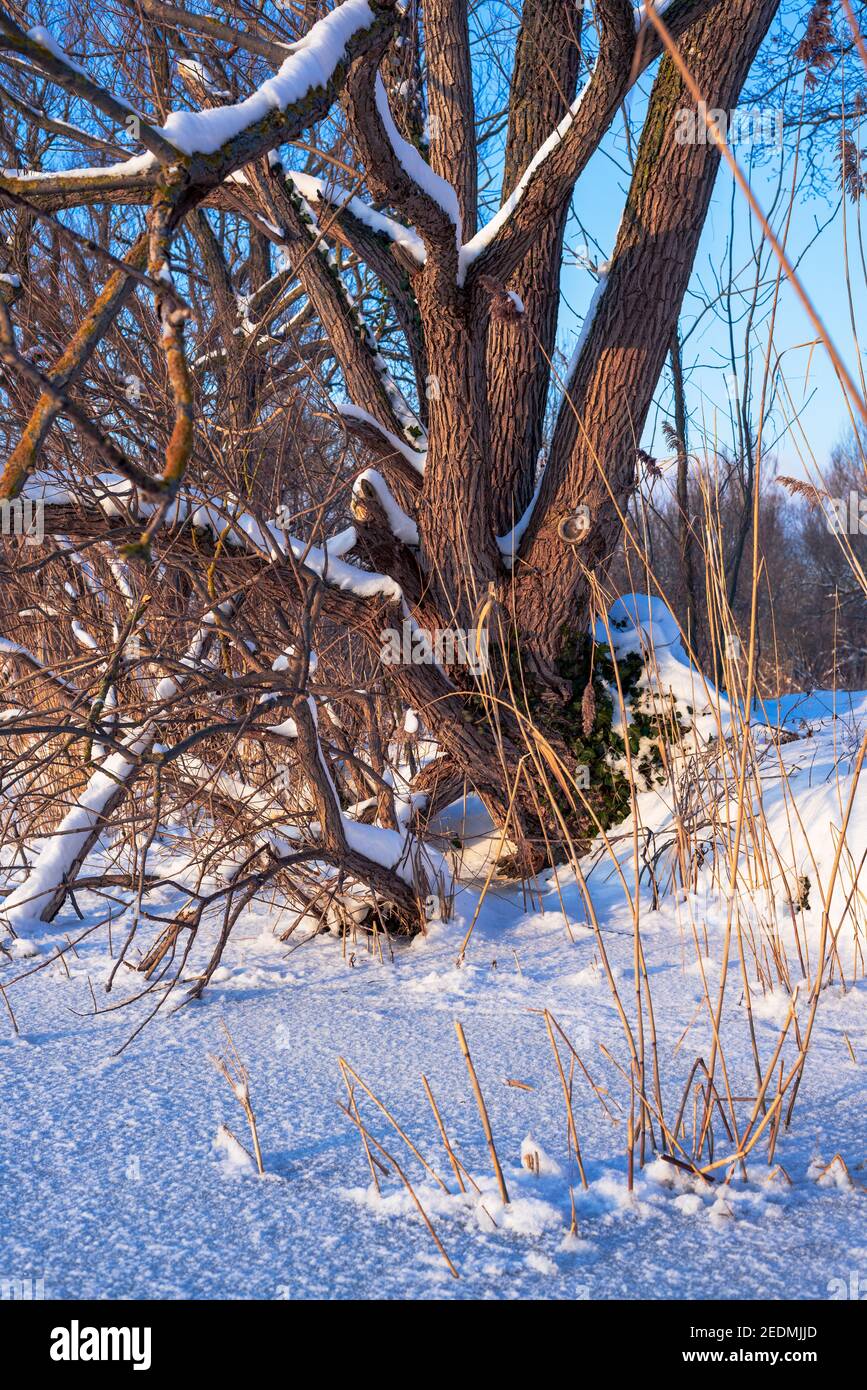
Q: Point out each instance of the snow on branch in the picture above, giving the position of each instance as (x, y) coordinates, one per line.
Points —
(485, 237)
(364, 424)
(509, 544)
(23, 654)
(402, 527)
(660, 6)
(396, 173)
(308, 68)
(304, 85)
(316, 190)
(438, 189)
(55, 863)
(552, 172)
(61, 853)
(114, 496)
(392, 850)
(341, 575)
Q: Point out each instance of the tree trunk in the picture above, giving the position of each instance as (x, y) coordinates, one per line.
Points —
(592, 461)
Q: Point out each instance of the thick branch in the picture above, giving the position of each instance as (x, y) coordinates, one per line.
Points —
(450, 98)
(396, 172)
(520, 347)
(551, 175)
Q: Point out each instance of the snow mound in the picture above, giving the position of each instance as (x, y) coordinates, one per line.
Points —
(640, 625)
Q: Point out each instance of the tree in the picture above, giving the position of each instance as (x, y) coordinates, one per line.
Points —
(450, 529)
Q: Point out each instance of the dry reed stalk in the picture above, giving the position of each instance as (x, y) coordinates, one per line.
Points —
(344, 1065)
(670, 1138)
(443, 1135)
(778, 1172)
(536, 743)
(354, 1111)
(775, 1129)
(567, 1100)
(686, 1167)
(483, 1112)
(598, 1091)
(823, 935)
(640, 977)
(745, 1148)
(9, 1011)
(504, 835)
(839, 1162)
(856, 32)
(630, 1139)
(235, 1074)
(840, 367)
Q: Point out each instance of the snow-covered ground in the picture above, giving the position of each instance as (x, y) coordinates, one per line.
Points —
(115, 1185)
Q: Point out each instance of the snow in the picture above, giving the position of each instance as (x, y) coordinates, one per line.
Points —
(39, 34)
(510, 543)
(637, 623)
(401, 526)
(419, 171)
(416, 457)
(120, 1185)
(309, 67)
(58, 853)
(126, 168)
(83, 637)
(9, 648)
(191, 68)
(196, 69)
(659, 7)
(339, 574)
(235, 1159)
(121, 1190)
(586, 325)
(169, 686)
(795, 711)
(389, 848)
(227, 518)
(316, 189)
